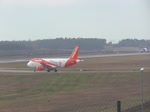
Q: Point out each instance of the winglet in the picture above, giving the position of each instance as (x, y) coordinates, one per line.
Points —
(75, 53)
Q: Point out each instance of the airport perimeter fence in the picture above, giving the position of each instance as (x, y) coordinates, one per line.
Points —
(99, 102)
(105, 106)
(125, 107)
(131, 100)
(101, 95)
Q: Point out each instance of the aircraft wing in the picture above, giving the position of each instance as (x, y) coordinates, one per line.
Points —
(48, 64)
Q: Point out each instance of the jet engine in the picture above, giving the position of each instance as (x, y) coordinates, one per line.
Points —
(39, 68)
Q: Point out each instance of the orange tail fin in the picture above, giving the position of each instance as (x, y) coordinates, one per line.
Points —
(75, 53)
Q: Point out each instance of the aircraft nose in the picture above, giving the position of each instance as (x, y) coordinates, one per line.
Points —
(29, 64)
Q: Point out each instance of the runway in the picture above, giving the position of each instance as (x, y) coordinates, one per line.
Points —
(112, 55)
(58, 72)
(13, 60)
(80, 57)
(15, 71)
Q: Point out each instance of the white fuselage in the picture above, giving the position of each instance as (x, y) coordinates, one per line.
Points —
(59, 62)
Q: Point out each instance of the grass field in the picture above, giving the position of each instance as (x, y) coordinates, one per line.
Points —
(85, 91)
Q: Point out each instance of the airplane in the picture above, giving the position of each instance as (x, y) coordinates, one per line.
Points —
(40, 64)
(145, 50)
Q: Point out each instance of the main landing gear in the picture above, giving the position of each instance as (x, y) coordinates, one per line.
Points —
(48, 70)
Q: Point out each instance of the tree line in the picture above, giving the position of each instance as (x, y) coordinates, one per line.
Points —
(133, 43)
(59, 43)
(64, 45)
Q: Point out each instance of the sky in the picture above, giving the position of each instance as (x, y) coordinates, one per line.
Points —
(113, 20)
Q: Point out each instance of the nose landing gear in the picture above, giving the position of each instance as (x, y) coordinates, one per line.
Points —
(55, 70)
